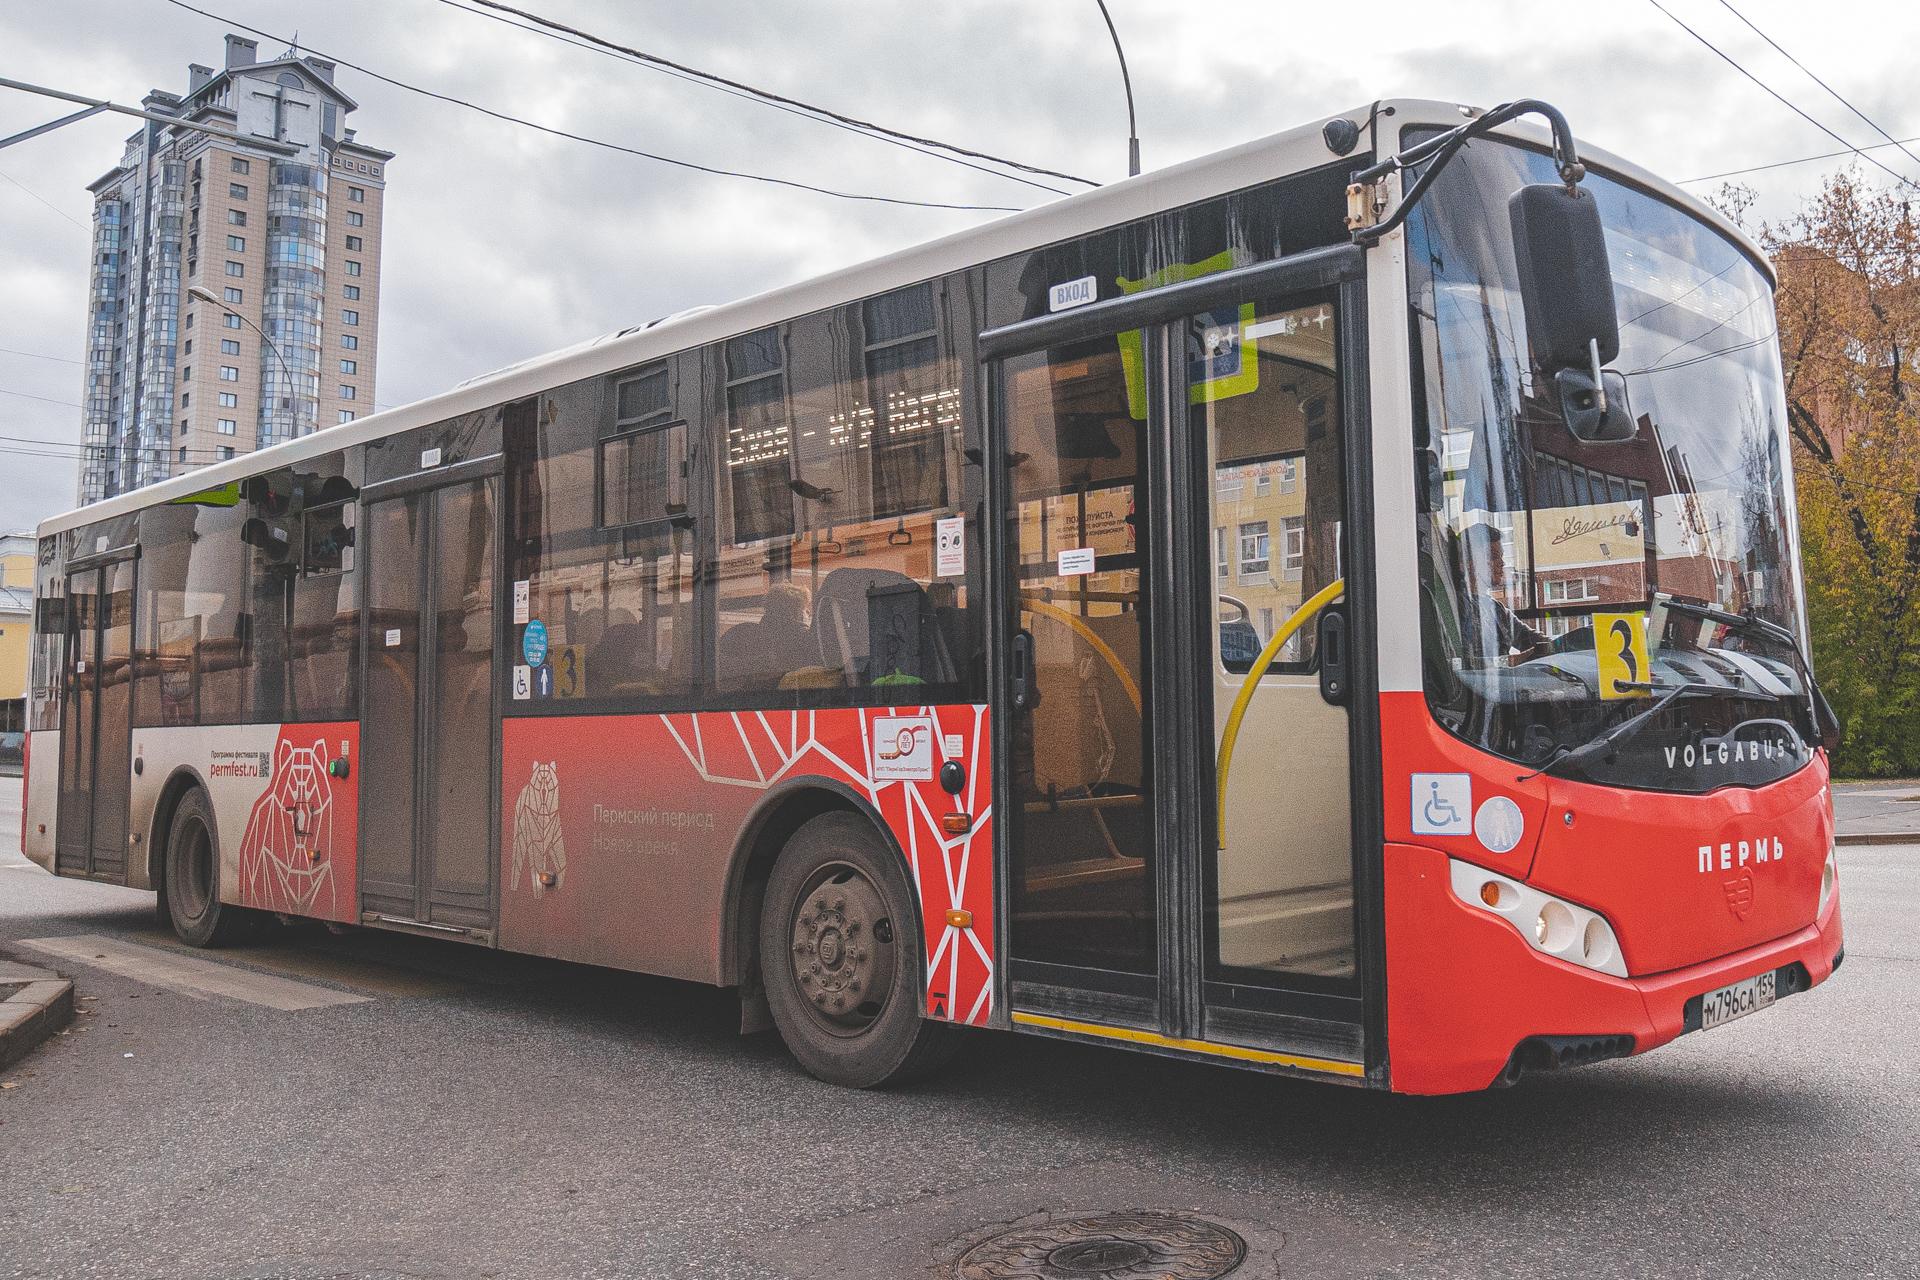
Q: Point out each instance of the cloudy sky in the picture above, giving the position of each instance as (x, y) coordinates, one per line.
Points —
(502, 242)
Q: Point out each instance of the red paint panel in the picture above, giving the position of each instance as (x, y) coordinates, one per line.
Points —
(1410, 743)
(1634, 856)
(618, 830)
(1463, 988)
(299, 853)
(1685, 878)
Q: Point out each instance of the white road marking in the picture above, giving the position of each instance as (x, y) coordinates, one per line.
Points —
(189, 975)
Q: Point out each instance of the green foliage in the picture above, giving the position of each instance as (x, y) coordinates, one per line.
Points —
(1849, 311)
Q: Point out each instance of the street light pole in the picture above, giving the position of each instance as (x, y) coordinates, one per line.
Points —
(200, 293)
(1133, 132)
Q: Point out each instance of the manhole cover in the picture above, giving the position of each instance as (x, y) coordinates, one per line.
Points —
(1113, 1246)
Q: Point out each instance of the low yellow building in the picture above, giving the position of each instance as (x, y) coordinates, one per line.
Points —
(16, 625)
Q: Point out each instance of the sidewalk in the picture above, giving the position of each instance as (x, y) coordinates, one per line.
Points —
(1877, 812)
(34, 1003)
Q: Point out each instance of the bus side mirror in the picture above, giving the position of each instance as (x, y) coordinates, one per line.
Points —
(1566, 288)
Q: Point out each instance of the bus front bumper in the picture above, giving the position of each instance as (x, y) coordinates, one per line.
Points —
(1465, 992)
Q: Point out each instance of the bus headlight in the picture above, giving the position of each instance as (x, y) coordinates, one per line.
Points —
(1829, 881)
(1553, 926)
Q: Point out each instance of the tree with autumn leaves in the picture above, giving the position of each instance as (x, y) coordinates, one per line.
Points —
(1849, 318)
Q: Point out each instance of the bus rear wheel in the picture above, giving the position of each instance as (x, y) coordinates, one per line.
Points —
(840, 958)
(192, 877)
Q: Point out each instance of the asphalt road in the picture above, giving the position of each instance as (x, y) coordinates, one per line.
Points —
(371, 1105)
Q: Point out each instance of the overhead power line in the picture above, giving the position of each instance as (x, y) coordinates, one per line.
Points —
(1837, 96)
(43, 200)
(748, 97)
(1782, 164)
(1775, 94)
(44, 399)
(597, 142)
(767, 95)
(35, 355)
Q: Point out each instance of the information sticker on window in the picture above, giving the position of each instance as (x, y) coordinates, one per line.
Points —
(950, 547)
(1075, 561)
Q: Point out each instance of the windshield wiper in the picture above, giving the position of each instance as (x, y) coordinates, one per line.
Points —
(1566, 757)
(1825, 725)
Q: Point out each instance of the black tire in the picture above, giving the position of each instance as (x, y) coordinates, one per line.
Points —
(192, 878)
(840, 955)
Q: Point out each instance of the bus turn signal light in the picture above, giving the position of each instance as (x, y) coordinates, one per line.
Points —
(1550, 925)
(956, 824)
(960, 919)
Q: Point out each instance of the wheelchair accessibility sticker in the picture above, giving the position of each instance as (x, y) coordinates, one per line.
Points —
(1442, 804)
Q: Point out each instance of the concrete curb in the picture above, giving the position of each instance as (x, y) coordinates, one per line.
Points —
(1878, 837)
(34, 1012)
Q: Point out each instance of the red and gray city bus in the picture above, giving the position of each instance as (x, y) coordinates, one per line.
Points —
(1331, 607)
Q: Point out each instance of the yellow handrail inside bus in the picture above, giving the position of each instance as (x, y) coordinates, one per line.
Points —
(1320, 600)
(1041, 607)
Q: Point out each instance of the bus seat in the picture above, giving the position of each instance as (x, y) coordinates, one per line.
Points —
(622, 662)
(738, 656)
(871, 623)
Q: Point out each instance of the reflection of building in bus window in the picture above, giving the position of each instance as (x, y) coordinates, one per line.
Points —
(1492, 630)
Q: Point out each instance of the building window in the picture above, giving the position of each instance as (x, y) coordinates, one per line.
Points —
(349, 342)
(346, 415)
(353, 268)
(349, 366)
(1220, 565)
(186, 348)
(1256, 548)
(228, 400)
(183, 453)
(228, 347)
(352, 292)
(356, 195)
(355, 218)
(1293, 545)
(234, 295)
(227, 426)
(236, 191)
(350, 317)
(226, 451)
(189, 320)
(186, 398)
(240, 165)
(233, 321)
(1289, 474)
(186, 373)
(346, 392)
(183, 426)
(236, 244)
(229, 374)
(236, 269)
(236, 217)
(353, 244)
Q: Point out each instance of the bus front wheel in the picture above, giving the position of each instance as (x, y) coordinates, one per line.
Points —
(840, 957)
(192, 877)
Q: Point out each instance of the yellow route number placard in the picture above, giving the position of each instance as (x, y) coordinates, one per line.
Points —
(569, 670)
(1620, 643)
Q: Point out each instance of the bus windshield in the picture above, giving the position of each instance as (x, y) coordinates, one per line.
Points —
(1555, 574)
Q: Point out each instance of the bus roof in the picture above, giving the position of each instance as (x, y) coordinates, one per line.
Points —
(1188, 182)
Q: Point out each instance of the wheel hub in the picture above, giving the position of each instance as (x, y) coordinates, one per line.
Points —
(842, 955)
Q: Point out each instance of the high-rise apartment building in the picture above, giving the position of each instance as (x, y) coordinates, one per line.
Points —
(277, 217)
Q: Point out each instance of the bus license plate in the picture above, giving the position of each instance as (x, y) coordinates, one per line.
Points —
(1736, 1001)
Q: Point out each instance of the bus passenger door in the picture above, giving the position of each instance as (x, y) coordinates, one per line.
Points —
(1171, 515)
(1264, 433)
(428, 717)
(96, 722)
